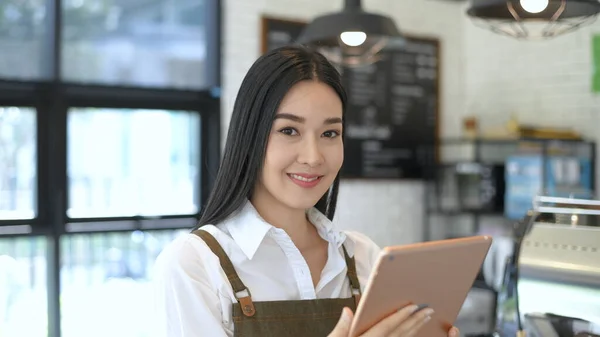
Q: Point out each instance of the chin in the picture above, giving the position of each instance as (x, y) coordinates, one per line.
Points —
(299, 203)
(302, 200)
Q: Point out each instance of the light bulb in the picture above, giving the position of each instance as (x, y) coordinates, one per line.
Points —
(534, 6)
(353, 39)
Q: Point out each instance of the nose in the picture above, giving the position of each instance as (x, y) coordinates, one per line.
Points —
(310, 152)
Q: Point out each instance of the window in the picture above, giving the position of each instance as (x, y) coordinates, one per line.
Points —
(157, 43)
(109, 140)
(23, 32)
(17, 163)
(23, 287)
(124, 162)
(111, 271)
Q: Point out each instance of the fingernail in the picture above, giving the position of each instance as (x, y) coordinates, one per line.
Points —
(428, 311)
(453, 332)
(427, 319)
(422, 306)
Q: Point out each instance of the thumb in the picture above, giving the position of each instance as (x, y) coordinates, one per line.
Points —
(342, 328)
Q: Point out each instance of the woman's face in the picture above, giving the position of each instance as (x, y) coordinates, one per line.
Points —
(305, 150)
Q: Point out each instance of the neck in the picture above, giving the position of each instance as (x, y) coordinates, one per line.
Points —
(292, 221)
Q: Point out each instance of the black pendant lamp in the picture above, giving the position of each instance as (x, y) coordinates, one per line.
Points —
(352, 37)
(533, 19)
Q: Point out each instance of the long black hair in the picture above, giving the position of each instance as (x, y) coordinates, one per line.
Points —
(262, 90)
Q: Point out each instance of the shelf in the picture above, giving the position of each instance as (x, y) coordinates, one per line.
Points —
(465, 212)
(474, 172)
(486, 141)
(454, 164)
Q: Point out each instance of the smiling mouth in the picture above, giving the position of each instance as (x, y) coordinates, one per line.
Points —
(305, 181)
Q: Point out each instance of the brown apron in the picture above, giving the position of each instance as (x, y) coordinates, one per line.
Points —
(295, 318)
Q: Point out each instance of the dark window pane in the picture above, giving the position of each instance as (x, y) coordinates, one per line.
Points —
(105, 282)
(23, 33)
(23, 287)
(125, 162)
(17, 163)
(157, 43)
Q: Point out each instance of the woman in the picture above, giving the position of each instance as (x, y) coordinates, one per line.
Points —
(266, 259)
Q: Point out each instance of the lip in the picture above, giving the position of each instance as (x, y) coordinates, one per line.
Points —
(305, 184)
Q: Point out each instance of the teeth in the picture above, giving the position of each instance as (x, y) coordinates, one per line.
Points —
(303, 179)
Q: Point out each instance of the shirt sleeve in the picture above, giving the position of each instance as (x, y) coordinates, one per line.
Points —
(186, 303)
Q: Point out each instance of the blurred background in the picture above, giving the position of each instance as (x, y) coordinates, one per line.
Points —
(113, 115)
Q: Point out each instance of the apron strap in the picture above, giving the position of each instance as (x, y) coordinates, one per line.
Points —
(352, 276)
(236, 283)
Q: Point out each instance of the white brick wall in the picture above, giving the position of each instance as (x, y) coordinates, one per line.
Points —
(391, 212)
(541, 82)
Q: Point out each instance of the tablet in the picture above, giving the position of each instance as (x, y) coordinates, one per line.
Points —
(437, 274)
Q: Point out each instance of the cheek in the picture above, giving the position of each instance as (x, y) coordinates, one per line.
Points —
(335, 156)
(339, 153)
(278, 157)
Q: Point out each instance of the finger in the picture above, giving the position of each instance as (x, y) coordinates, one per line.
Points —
(454, 332)
(390, 323)
(414, 323)
(342, 328)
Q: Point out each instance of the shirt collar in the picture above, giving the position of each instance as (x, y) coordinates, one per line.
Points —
(248, 229)
(328, 231)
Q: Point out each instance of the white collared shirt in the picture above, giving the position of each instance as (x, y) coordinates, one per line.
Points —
(194, 297)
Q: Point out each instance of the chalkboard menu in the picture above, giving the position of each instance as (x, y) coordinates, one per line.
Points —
(279, 32)
(392, 113)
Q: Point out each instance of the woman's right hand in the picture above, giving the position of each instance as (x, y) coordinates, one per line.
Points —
(403, 323)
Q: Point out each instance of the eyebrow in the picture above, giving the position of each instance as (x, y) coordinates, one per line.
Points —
(298, 119)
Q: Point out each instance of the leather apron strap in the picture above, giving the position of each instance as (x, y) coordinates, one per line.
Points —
(238, 286)
(352, 276)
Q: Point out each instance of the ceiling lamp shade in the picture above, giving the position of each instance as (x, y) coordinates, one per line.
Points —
(533, 19)
(352, 37)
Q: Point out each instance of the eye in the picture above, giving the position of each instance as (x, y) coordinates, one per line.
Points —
(331, 134)
(289, 131)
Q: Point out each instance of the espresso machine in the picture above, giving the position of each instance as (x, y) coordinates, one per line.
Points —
(551, 285)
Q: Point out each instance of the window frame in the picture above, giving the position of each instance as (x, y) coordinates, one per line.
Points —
(203, 104)
(52, 102)
(52, 98)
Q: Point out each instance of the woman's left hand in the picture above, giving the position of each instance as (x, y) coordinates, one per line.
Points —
(454, 332)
